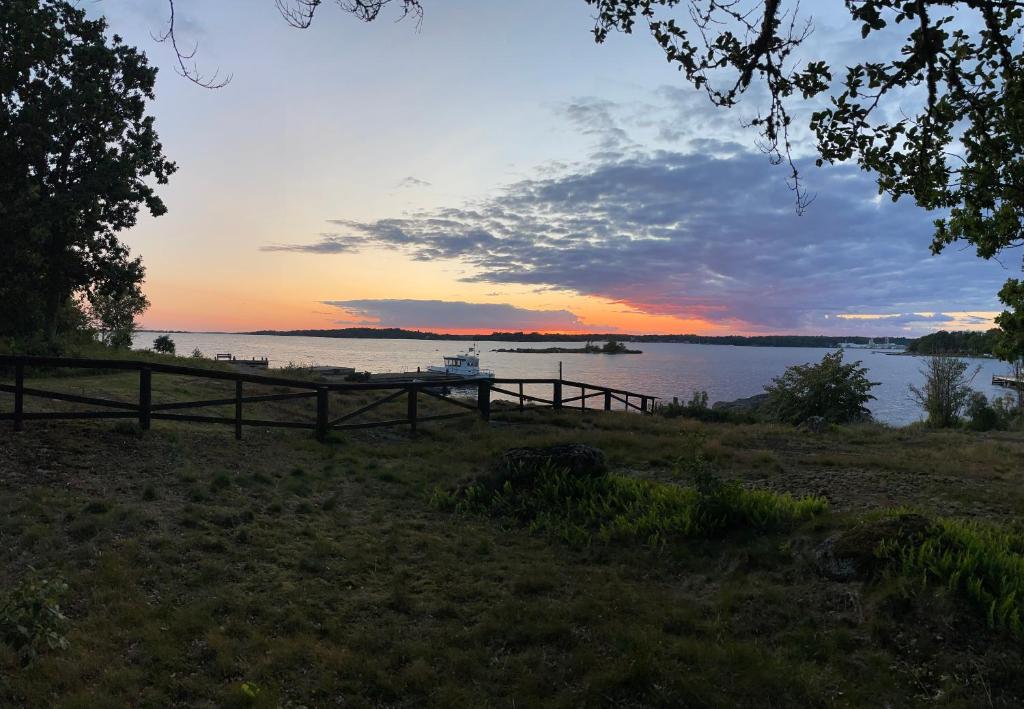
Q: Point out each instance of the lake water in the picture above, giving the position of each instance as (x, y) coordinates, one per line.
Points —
(664, 369)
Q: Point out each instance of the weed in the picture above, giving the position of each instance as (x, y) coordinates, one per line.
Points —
(981, 562)
(31, 619)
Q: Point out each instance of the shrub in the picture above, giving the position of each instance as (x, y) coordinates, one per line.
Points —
(697, 408)
(579, 508)
(946, 390)
(982, 563)
(981, 416)
(197, 353)
(698, 400)
(31, 619)
(832, 389)
(164, 344)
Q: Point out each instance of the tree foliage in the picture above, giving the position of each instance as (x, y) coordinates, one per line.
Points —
(965, 342)
(113, 317)
(80, 158)
(164, 344)
(1010, 342)
(836, 391)
(946, 391)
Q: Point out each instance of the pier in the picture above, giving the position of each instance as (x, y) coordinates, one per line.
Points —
(1007, 380)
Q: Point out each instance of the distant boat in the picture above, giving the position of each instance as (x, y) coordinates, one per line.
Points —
(466, 364)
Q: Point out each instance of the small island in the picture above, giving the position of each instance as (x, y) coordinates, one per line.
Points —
(612, 347)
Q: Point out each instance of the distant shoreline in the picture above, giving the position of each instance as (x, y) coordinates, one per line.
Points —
(814, 341)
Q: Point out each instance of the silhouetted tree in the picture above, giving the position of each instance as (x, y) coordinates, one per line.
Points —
(79, 157)
(164, 343)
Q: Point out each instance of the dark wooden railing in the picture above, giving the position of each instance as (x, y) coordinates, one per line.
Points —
(144, 410)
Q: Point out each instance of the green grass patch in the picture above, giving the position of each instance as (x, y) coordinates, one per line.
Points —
(980, 562)
(580, 509)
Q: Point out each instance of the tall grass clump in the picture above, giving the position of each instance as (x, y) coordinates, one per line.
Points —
(580, 508)
(980, 562)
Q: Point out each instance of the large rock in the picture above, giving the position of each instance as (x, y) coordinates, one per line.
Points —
(851, 554)
(520, 466)
(749, 405)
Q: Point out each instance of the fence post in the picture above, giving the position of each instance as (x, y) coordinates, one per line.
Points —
(583, 398)
(321, 414)
(238, 410)
(19, 396)
(412, 408)
(522, 401)
(483, 400)
(607, 401)
(556, 398)
(643, 404)
(145, 397)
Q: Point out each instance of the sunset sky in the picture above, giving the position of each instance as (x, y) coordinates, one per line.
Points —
(494, 169)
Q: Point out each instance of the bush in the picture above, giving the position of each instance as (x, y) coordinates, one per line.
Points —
(31, 619)
(164, 344)
(197, 353)
(836, 391)
(981, 416)
(946, 391)
(697, 408)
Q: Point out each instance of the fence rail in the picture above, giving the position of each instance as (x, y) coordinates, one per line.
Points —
(145, 410)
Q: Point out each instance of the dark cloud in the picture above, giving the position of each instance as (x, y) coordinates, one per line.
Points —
(597, 118)
(455, 315)
(711, 235)
(330, 243)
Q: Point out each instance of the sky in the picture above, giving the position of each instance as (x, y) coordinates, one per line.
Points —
(492, 168)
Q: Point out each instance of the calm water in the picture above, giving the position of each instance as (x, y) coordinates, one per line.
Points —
(664, 369)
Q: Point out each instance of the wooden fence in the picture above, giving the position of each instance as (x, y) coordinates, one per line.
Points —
(145, 410)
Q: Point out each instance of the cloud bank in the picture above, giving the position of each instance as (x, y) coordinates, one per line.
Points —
(455, 315)
(704, 231)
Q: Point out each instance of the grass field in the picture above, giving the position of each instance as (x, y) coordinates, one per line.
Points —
(276, 571)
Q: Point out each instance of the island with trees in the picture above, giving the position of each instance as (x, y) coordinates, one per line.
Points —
(612, 347)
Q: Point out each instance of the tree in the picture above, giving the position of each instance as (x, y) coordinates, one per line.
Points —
(164, 343)
(832, 389)
(1010, 342)
(946, 391)
(114, 316)
(79, 157)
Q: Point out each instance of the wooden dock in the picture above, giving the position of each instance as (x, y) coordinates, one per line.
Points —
(256, 362)
(1007, 380)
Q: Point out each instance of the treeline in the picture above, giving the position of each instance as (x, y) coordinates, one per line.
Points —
(964, 342)
(826, 341)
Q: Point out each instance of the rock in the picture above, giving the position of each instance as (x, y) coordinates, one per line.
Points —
(851, 554)
(749, 405)
(814, 424)
(577, 458)
(521, 465)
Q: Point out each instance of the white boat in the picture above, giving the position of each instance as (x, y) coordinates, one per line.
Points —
(466, 364)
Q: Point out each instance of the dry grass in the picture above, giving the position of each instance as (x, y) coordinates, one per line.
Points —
(276, 571)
